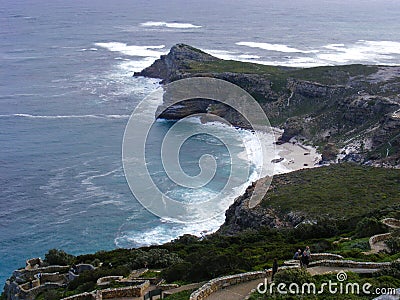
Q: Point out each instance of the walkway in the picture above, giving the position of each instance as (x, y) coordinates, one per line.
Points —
(182, 288)
(380, 245)
(236, 292)
(240, 291)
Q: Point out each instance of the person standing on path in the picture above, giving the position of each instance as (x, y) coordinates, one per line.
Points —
(308, 252)
(274, 268)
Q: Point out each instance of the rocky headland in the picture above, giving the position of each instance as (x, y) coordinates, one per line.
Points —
(351, 112)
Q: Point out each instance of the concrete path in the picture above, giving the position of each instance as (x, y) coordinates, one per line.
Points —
(240, 291)
(236, 292)
(379, 246)
(186, 287)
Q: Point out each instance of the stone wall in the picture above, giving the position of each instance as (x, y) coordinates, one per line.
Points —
(131, 292)
(378, 238)
(79, 269)
(316, 257)
(391, 222)
(33, 292)
(83, 296)
(324, 256)
(30, 273)
(108, 279)
(52, 277)
(349, 264)
(33, 263)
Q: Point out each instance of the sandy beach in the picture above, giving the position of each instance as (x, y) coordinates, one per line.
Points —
(295, 155)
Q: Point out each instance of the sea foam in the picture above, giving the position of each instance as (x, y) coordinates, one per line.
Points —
(170, 25)
(133, 50)
(274, 47)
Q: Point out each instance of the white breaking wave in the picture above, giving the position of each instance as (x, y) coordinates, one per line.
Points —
(136, 65)
(133, 50)
(229, 55)
(167, 230)
(274, 47)
(170, 25)
(362, 51)
(148, 54)
(100, 116)
(88, 49)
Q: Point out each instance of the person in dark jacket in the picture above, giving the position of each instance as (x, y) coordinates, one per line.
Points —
(274, 268)
(297, 254)
(305, 259)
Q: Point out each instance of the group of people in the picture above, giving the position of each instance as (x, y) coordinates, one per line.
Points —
(303, 256)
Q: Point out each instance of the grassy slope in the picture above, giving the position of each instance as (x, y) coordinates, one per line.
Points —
(339, 191)
(332, 75)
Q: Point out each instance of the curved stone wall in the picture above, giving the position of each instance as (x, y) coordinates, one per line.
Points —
(108, 279)
(316, 257)
(350, 264)
(391, 222)
(125, 292)
(324, 256)
(33, 263)
(83, 296)
(378, 238)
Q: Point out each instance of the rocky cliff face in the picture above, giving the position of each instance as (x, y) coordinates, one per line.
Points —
(174, 65)
(352, 107)
(240, 216)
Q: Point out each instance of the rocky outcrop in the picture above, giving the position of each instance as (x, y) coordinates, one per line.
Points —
(240, 216)
(329, 153)
(173, 66)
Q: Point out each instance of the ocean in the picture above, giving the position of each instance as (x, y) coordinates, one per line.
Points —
(67, 91)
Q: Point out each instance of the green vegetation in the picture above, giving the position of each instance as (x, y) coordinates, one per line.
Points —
(325, 75)
(277, 75)
(184, 295)
(233, 66)
(393, 245)
(58, 257)
(50, 295)
(339, 191)
(330, 75)
(368, 227)
(150, 274)
(333, 75)
(289, 276)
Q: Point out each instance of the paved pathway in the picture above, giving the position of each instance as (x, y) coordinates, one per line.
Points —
(186, 287)
(379, 246)
(236, 292)
(240, 291)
